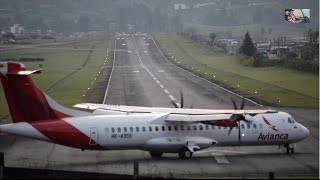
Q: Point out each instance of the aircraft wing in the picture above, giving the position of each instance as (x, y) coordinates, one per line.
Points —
(175, 113)
(197, 118)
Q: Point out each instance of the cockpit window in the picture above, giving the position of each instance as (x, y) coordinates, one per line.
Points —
(290, 121)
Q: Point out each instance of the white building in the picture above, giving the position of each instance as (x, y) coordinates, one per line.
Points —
(16, 29)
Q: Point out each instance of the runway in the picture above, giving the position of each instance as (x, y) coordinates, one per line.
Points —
(142, 76)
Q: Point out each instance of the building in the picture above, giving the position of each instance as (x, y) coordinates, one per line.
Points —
(16, 29)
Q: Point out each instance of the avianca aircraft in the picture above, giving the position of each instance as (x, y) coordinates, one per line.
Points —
(157, 130)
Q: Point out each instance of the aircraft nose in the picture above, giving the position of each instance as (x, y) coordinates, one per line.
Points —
(305, 131)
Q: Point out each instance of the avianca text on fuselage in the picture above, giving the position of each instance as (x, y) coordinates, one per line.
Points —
(272, 137)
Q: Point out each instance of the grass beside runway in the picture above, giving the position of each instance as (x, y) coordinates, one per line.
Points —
(57, 65)
(274, 85)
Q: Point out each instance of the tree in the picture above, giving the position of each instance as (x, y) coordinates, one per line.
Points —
(247, 48)
(8, 35)
(212, 37)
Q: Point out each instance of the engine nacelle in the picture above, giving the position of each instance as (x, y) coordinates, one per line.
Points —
(174, 144)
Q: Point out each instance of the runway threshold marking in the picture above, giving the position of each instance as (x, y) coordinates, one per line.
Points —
(166, 91)
(220, 158)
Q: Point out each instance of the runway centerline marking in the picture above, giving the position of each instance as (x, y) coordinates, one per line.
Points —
(136, 71)
(150, 73)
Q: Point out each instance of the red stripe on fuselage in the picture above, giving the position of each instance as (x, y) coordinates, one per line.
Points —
(60, 114)
(61, 132)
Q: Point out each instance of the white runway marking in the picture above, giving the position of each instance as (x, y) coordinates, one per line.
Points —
(220, 158)
(123, 44)
(161, 71)
(166, 91)
(122, 38)
(147, 44)
(158, 81)
(145, 51)
(118, 38)
(129, 51)
(172, 98)
(161, 86)
(136, 71)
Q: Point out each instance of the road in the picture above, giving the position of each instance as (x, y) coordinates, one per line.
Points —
(142, 76)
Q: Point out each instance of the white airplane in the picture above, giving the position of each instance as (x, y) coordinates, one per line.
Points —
(157, 130)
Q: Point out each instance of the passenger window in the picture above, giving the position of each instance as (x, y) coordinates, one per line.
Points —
(137, 129)
(194, 127)
(200, 127)
(219, 127)
(188, 128)
(182, 128)
(225, 127)
(144, 129)
(254, 126)
(107, 130)
(289, 120)
(242, 126)
(131, 129)
(112, 130)
(212, 127)
(207, 127)
(157, 129)
(150, 128)
(119, 129)
(248, 125)
(163, 128)
(169, 128)
(176, 128)
(260, 126)
(125, 129)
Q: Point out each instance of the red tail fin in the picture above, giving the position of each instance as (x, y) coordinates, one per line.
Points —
(26, 102)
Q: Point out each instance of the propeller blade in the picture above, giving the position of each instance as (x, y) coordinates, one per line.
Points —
(181, 99)
(234, 104)
(174, 104)
(239, 134)
(248, 121)
(230, 130)
(242, 103)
